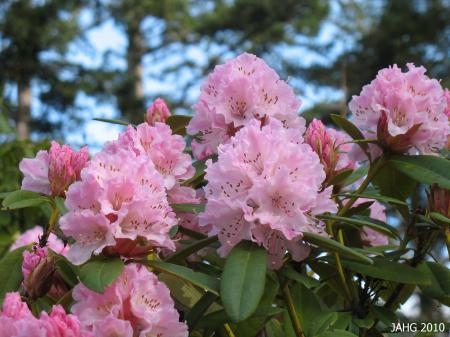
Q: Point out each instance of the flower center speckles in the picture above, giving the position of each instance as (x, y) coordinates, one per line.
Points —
(211, 90)
(268, 99)
(256, 163)
(151, 303)
(246, 72)
(279, 203)
(91, 238)
(237, 107)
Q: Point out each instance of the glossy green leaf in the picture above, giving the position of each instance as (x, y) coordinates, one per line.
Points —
(337, 333)
(22, 199)
(361, 221)
(112, 121)
(308, 307)
(188, 208)
(350, 129)
(424, 169)
(243, 280)
(11, 272)
(98, 273)
(334, 246)
(274, 328)
(200, 167)
(294, 275)
(178, 124)
(199, 279)
(191, 248)
(390, 271)
(66, 270)
(371, 196)
(198, 310)
(439, 286)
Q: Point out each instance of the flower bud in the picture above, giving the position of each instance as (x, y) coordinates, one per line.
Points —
(330, 146)
(40, 280)
(397, 144)
(65, 167)
(157, 112)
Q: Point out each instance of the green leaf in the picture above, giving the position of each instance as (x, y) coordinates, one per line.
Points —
(343, 320)
(66, 270)
(178, 124)
(366, 322)
(334, 246)
(350, 129)
(11, 272)
(188, 208)
(112, 121)
(390, 271)
(294, 275)
(22, 199)
(378, 197)
(200, 167)
(198, 310)
(424, 169)
(98, 273)
(199, 279)
(243, 280)
(60, 205)
(438, 217)
(439, 287)
(385, 315)
(361, 221)
(274, 328)
(393, 183)
(191, 248)
(337, 333)
(308, 308)
(340, 177)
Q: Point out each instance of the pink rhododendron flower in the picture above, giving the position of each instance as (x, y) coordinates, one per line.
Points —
(52, 172)
(331, 147)
(404, 110)
(120, 205)
(163, 148)
(31, 236)
(241, 90)
(136, 304)
(16, 320)
(157, 112)
(447, 100)
(265, 187)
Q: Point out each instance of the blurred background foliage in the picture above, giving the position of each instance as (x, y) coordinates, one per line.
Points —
(65, 62)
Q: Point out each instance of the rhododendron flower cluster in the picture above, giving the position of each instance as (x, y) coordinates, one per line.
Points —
(31, 237)
(16, 320)
(332, 147)
(136, 304)
(157, 112)
(241, 90)
(404, 110)
(265, 187)
(52, 172)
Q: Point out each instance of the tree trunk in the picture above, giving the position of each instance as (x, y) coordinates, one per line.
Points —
(24, 109)
(134, 107)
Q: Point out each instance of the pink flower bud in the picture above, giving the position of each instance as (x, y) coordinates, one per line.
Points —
(330, 146)
(65, 166)
(157, 112)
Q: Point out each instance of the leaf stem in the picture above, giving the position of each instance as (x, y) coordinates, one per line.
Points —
(230, 332)
(292, 312)
(51, 225)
